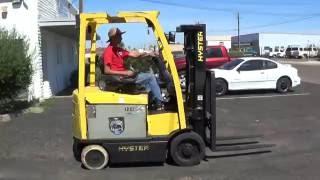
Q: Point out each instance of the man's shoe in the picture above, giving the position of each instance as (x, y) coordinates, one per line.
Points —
(159, 106)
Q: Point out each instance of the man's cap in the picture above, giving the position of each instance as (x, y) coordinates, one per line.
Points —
(113, 32)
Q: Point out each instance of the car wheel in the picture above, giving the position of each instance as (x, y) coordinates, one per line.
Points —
(283, 85)
(187, 149)
(221, 87)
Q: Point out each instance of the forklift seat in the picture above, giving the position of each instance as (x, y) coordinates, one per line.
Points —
(116, 83)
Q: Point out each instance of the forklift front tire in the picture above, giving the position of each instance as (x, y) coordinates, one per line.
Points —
(94, 157)
(187, 149)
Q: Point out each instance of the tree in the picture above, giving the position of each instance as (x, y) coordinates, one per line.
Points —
(15, 65)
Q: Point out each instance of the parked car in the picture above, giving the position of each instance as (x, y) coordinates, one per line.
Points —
(255, 73)
(310, 52)
(281, 52)
(277, 52)
(216, 56)
(295, 52)
(266, 51)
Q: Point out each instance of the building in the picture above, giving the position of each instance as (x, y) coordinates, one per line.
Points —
(49, 25)
(261, 41)
(219, 40)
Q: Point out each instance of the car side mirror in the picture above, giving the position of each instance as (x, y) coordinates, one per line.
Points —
(238, 70)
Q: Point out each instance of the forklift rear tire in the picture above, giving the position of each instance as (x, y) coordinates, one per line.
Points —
(94, 157)
(187, 149)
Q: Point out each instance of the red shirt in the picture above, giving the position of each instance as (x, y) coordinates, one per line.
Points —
(114, 57)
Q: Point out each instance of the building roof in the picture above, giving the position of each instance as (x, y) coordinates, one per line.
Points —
(63, 26)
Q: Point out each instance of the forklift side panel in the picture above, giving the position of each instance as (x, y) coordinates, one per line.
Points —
(79, 116)
(76, 116)
(130, 152)
(116, 121)
(162, 124)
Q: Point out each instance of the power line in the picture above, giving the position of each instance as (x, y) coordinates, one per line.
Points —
(266, 25)
(264, 3)
(223, 9)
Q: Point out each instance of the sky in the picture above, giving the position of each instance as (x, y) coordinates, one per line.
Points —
(220, 17)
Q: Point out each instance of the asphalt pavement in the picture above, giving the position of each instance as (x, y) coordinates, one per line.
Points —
(39, 146)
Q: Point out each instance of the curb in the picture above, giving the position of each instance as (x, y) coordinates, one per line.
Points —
(4, 118)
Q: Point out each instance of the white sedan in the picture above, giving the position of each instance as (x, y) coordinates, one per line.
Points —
(255, 73)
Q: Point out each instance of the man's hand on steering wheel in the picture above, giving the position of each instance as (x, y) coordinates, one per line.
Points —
(130, 73)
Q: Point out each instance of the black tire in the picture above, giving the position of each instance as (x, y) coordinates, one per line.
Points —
(221, 87)
(187, 149)
(94, 157)
(284, 85)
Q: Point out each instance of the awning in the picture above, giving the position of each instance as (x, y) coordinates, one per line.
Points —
(62, 26)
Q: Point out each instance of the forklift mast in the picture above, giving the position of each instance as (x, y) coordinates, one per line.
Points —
(200, 87)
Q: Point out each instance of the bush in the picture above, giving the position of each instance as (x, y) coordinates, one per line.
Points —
(235, 53)
(15, 65)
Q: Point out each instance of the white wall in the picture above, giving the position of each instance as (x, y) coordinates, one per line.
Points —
(25, 20)
(217, 40)
(271, 40)
(56, 8)
(59, 61)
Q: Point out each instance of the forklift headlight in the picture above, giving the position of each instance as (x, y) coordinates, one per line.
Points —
(91, 111)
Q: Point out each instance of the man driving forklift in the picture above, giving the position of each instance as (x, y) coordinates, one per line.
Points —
(113, 60)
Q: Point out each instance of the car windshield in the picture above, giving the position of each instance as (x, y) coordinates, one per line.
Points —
(231, 65)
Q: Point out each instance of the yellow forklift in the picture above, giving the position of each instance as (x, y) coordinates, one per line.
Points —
(113, 125)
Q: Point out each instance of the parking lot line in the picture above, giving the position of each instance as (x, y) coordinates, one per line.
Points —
(267, 96)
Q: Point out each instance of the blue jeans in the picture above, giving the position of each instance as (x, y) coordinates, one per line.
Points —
(148, 81)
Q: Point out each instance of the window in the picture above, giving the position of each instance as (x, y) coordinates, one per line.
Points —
(232, 64)
(288, 49)
(214, 53)
(270, 65)
(314, 49)
(294, 49)
(251, 65)
(300, 49)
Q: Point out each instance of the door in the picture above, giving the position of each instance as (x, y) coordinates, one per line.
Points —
(251, 75)
(272, 74)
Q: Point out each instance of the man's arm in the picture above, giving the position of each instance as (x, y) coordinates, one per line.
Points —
(136, 54)
(107, 70)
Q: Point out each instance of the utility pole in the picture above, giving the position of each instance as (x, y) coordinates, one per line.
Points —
(238, 17)
(80, 6)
